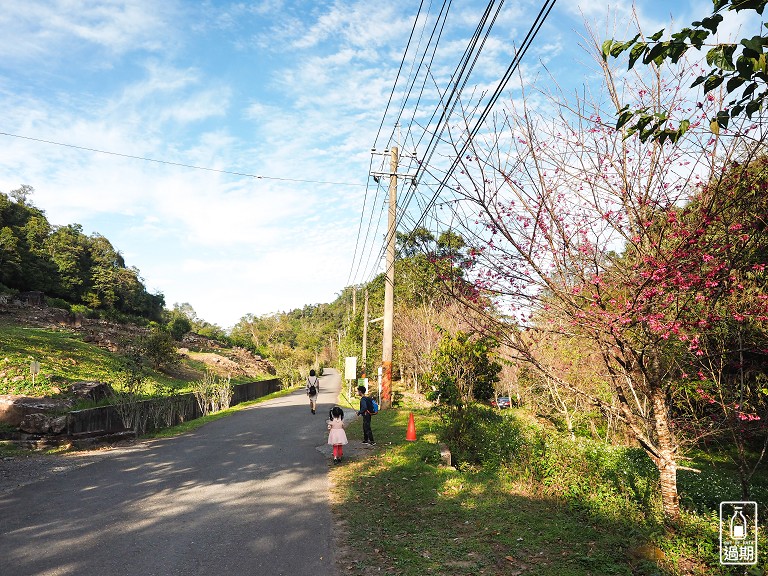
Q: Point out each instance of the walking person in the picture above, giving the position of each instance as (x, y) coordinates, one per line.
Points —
(337, 437)
(313, 387)
(366, 410)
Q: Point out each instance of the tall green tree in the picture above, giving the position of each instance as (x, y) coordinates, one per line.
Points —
(464, 370)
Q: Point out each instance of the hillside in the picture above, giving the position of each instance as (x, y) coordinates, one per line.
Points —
(71, 348)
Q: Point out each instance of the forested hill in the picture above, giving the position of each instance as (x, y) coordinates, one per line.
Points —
(73, 270)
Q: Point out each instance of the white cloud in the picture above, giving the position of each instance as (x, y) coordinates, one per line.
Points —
(46, 30)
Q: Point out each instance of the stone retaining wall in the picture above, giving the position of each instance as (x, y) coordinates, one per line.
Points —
(107, 420)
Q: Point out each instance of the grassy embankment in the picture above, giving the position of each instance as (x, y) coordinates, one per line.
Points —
(65, 358)
(554, 508)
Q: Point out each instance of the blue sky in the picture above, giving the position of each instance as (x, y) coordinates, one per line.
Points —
(293, 92)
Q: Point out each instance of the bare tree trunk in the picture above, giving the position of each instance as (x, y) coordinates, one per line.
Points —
(665, 459)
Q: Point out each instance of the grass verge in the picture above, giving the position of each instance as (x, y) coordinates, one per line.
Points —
(401, 513)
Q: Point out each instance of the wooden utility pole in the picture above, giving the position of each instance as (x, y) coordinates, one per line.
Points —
(365, 333)
(389, 285)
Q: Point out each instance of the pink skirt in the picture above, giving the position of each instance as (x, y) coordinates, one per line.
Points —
(337, 436)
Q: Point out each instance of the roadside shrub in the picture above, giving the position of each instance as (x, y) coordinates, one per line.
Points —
(84, 311)
(617, 481)
(480, 435)
(127, 397)
(212, 393)
(159, 349)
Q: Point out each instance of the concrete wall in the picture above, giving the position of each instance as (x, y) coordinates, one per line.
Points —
(107, 420)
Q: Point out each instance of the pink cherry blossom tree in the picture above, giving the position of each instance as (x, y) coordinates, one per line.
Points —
(577, 228)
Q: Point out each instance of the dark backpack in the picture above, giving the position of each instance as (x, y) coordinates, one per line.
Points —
(313, 388)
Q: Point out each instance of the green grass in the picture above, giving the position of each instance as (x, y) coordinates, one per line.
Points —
(426, 519)
(65, 358)
(718, 481)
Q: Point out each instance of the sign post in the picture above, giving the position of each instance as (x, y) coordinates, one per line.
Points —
(350, 372)
(34, 369)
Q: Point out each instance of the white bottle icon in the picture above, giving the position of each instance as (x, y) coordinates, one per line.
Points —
(738, 524)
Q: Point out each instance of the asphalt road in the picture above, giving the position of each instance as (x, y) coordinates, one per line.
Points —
(244, 495)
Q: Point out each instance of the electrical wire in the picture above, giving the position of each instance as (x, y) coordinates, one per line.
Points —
(454, 80)
(527, 41)
(179, 164)
(389, 100)
(458, 81)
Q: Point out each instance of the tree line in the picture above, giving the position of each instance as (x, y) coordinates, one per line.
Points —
(78, 271)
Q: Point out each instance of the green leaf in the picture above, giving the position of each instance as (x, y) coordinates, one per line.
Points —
(712, 82)
(753, 106)
(607, 49)
(749, 89)
(656, 54)
(657, 36)
(721, 57)
(711, 22)
(754, 44)
(734, 83)
(698, 37)
(698, 81)
(676, 50)
(637, 51)
(737, 5)
(624, 117)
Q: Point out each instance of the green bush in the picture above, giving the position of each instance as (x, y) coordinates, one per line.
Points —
(58, 303)
(178, 326)
(479, 435)
(84, 310)
(159, 349)
(617, 481)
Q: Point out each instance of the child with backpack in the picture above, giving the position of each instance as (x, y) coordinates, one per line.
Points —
(336, 435)
(367, 408)
(313, 387)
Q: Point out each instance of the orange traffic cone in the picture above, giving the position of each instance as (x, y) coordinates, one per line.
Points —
(410, 433)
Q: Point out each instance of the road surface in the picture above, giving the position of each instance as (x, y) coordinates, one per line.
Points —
(244, 495)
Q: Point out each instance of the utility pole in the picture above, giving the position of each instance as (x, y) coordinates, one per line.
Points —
(365, 333)
(389, 284)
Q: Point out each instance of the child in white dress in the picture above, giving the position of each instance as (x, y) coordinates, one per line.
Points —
(336, 435)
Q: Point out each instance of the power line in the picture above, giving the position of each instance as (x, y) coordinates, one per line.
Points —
(179, 164)
(456, 84)
(527, 41)
(352, 270)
